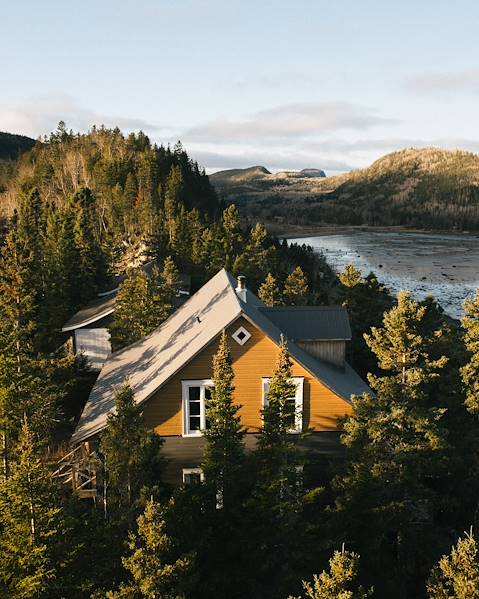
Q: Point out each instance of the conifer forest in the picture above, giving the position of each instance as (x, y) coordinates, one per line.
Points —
(393, 513)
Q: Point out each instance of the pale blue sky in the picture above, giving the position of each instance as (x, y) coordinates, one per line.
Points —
(332, 85)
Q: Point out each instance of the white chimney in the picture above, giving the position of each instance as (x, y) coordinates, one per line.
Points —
(241, 288)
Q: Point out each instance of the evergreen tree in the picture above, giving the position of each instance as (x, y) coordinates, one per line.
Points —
(457, 575)
(470, 372)
(269, 292)
(396, 444)
(275, 507)
(366, 301)
(91, 266)
(24, 385)
(340, 582)
(32, 550)
(157, 570)
(224, 451)
(31, 229)
(232, 235)
(296, 291)
(258, 257)
(141, 306)
(131, 455)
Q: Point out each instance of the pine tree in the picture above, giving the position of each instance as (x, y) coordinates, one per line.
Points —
(224, 451)
(275, 507)
(397, 444)
(470, 372)
(131, 455)
(457, 574)
(91, 266)
(340, 582)
(33, 529)
(258, 258)
(158, 572)
(269, 292)
(232, 234)
(142, 304)
(366, 300)
(296, 291)
(24, 385)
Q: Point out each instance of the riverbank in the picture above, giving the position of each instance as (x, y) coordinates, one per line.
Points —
(303, 231)
(444, 265)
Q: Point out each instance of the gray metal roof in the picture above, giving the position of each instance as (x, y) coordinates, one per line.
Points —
(95, 310)
(105, 304)
(308, 323)
(150, 362)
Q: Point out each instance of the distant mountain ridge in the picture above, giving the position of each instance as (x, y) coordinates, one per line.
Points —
(258, 180)
(420, 188)
(12, 146)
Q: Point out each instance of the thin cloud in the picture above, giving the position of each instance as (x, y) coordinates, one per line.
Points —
(287, 122)
(41, 115)
(464, 81)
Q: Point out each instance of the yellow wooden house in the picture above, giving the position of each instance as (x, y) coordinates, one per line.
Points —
(170, 371)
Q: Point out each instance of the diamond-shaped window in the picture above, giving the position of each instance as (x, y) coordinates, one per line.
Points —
(241, 335)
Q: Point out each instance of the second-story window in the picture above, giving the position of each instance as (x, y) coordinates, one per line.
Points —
(195, 399)
(296, 402)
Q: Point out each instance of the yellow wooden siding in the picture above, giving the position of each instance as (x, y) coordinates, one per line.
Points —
(251, 362)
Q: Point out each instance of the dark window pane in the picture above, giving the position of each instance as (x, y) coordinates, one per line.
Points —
(207, 392)
(195, 407)
(194, 393)
(194, 423)
(192, 478)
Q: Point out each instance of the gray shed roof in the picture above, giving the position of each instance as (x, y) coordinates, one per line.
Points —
(95, 310)
(105, 304)
(307, 323)
(150, 362)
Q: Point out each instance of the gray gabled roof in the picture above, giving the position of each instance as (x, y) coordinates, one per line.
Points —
(308, 323)
(150, 362)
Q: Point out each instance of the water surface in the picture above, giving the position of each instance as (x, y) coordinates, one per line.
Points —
(443, 265)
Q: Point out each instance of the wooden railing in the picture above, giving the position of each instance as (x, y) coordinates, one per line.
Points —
(77, 469)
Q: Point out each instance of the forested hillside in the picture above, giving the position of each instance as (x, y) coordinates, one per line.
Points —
(11, 148)
(425, 188)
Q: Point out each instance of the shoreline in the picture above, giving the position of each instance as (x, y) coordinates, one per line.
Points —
(299, 231)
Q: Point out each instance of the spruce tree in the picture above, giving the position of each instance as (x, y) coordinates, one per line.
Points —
(224, 451)
(91, 267)
(296, 290)
(275, 507)
(340, 582)
(157, 570)
(269, 292)
(232, 234)
(131, 455)
(396, 447)
(366, 301)
(470, 372)
(25, 388)
(33, 552)
(456, 576)
(142, 304)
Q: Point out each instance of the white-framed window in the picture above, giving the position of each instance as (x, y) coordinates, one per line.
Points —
(193, 476)
(297, 399)
(195, 397)
(241, 335)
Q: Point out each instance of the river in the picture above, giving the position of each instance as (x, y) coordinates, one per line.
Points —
(443, 265)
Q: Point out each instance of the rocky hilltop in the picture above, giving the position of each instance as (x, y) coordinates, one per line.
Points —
(421, 188)
(257, 181)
